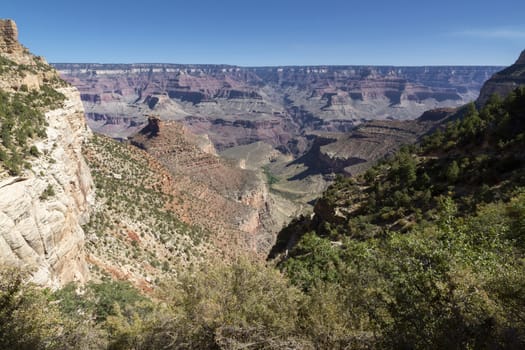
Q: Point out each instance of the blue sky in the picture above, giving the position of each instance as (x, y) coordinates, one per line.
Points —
(272, 32)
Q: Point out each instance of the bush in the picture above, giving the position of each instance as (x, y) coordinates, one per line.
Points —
(48, 192)
(218, 299)
(27, 319)
(34, 151)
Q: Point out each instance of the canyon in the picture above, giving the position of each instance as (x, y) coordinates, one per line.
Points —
(222, 207)
(77, 206)
(310, 122)
(241, 105)
(212, 160)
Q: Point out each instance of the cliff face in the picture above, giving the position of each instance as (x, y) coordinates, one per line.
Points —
(9, 37)
(43, 206)
(231, 202)
(241, 105)
(503, 82)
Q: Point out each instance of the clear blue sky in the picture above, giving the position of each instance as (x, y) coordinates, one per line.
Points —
(273, 32)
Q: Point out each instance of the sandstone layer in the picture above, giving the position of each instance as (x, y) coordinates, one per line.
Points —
(42, 208)
(9, 37)
(233, 203)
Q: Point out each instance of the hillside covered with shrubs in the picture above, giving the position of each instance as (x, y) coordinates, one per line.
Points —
(424, 251)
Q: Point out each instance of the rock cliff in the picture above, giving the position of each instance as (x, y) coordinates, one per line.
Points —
(241, 105)
(43, 205)
(231, 202)
(503, 82)
(9, 37)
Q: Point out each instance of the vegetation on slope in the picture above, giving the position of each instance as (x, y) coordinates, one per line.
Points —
(426, 250)
(477, 159)
(213, 306)
(22, 121)
(441, 267)
(133, 231)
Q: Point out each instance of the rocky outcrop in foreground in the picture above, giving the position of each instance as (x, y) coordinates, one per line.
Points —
(43, 206)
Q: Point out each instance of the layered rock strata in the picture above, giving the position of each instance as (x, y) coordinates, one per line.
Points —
(240, 105)
(503, 82)
(231, 202)
(43, 208)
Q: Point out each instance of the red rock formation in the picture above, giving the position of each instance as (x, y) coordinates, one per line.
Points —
(231, 202)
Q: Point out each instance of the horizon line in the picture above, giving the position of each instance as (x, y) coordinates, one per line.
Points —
(280, 66)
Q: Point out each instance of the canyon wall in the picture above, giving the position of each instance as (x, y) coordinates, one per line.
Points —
(233, 203)
(503, 82)
(241, 105)
(43, 207)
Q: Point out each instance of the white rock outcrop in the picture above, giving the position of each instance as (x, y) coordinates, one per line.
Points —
(43, 233)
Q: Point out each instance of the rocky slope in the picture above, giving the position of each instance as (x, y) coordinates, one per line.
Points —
(45, 186)
(166, 201)
(474, 156)
(142, 227)
(304, 113)
(237, 106)
(231, 202)
(503, 82)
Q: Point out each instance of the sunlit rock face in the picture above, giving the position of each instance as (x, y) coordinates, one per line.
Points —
(43, 208)
(503, 82)
(241, 105)
(9, 37)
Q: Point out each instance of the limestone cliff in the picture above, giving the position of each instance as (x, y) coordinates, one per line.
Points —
(43, 204)
(9, 37)
(503, 82)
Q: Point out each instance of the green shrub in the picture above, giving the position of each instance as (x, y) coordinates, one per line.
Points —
(215, 299)
(47, 193)
(34, 151)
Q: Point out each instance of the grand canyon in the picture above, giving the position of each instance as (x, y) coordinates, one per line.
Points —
(202, 206)
(241, 105)
(312, 122)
